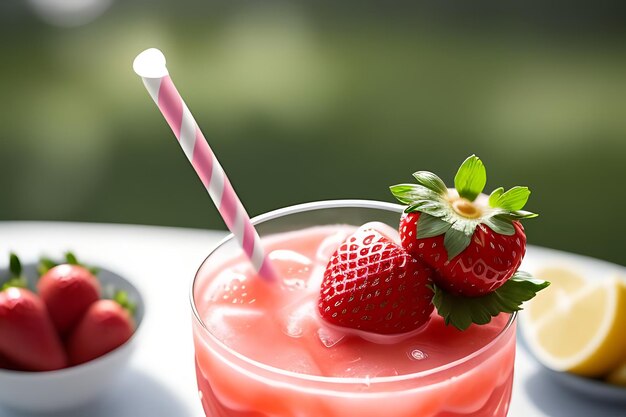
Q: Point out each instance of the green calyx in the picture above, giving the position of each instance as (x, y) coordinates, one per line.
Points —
(471, 178)
(16, 278)
(461, 312)
(457, 216)
(46, 264)
(121, 297)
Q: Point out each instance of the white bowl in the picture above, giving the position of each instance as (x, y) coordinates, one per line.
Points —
(71, 387)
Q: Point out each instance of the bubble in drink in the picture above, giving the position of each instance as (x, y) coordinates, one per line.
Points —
(230, 287)
(418, 355)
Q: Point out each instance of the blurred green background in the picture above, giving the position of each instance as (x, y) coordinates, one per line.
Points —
(304, 101)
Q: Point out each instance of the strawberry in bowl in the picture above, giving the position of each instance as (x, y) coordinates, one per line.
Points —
(57, 351)
(68, 289)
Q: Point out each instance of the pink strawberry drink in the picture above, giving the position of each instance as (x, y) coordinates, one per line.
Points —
(263, 350)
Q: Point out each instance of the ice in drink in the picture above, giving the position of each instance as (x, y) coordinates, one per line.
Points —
(263, 351)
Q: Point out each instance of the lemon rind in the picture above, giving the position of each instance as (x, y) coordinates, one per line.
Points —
(578, 363)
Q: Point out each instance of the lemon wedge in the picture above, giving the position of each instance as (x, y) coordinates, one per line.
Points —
(563, 283)
(577, 325)
(618, 375)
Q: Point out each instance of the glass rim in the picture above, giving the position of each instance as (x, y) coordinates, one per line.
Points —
(319, 205)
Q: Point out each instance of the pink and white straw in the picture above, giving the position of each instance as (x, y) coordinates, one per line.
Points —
(150, 66)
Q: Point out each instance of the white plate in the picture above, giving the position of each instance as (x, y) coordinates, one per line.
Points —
(543, 392)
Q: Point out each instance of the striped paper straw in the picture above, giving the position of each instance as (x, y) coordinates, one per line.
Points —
(150, 66)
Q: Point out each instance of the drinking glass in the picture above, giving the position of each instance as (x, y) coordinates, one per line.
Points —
(233, 385)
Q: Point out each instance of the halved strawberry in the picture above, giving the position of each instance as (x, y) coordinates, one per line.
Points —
(372, 284)
(475, 244)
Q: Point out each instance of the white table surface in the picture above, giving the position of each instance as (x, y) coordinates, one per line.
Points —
(160, 381)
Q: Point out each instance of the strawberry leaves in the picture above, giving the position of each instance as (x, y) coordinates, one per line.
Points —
(430, 226)
(15, 266)
(461, 312)
(16, 279)
(457, 217)
(412, 193)
(431, 181)
(507, 207)
(121, 297)
(499, 225)
(471, 178)
(456, 241)
(46, 264)
(511, 200)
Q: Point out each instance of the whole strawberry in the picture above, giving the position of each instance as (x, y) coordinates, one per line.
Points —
(474, 243)
(68, 290)
(488, 261)
(373, 284)
(27, 336)
(105, 325)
